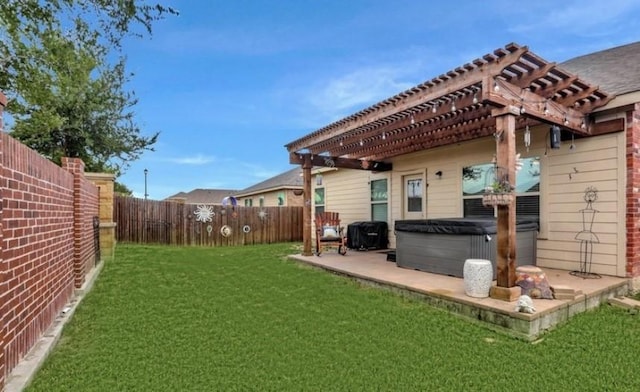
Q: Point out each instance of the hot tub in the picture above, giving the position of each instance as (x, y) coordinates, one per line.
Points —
(441, 246)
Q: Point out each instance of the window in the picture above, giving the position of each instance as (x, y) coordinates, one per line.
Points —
(261, 201)
(248, 202)
(476, 178)
(414, 195)
(319, 200)
(379, 206)
(280, 199)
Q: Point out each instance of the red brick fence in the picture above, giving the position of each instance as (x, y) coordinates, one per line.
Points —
(47, 243)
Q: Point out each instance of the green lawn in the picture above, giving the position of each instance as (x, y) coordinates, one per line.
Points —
(247, 319)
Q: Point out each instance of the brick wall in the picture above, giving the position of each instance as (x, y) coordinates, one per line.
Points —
(46, 243)
(633, 192)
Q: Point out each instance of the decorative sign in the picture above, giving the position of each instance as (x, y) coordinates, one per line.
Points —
(246, 229)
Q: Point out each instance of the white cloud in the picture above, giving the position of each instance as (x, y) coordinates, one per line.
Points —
(340, 92)
(257, 171)
(196, 160)
(358, 88)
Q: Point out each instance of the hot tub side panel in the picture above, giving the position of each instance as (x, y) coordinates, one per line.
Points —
(446, 253)
(437, 253)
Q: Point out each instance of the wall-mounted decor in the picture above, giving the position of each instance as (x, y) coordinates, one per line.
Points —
(586, 236)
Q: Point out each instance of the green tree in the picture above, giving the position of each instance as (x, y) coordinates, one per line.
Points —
(66, 98)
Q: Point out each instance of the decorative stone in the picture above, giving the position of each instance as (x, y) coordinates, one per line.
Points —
(525, 305)
(533, 282)
(477, 275)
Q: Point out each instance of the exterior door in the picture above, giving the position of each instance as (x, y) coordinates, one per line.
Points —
(414, 202)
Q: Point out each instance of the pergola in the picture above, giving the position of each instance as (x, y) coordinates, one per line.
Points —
(493, 95)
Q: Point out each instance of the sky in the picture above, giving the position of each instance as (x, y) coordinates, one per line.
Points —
(229, 83)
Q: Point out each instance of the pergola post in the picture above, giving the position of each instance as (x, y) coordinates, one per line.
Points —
(505, 288)
(306, 212)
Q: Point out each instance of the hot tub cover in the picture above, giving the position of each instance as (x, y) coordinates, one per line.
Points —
(473, 226)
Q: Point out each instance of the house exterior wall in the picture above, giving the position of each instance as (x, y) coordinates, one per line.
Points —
(348, 192)
(293, 200)
(271, 198)
(46, 244)
(565, 174)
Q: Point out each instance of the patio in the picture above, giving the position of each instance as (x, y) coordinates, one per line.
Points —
(372, 267)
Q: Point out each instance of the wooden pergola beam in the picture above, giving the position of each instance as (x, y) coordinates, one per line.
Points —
(519, 101)
(443, 85)
(338, 162)
(431, 134)
(408, 124)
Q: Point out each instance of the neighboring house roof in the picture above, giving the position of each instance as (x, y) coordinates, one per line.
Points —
(204, 196)
(291, 179)
(615, 70)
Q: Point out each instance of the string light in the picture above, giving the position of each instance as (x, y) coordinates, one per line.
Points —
(341, 143)
(583, 125)
(453, 105)
(413, 120)
(361, 142)
(475, 98)
(566, 120)
(527, 137)
(546, 109)
(496, 88)
(434, 109)
(384, 136)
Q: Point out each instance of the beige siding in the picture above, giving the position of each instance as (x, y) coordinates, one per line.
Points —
(348, 192)
(293, 200)
(271, 198)
(597, 162)
(565, 173)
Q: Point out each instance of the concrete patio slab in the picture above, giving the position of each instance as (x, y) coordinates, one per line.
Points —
(372, 267)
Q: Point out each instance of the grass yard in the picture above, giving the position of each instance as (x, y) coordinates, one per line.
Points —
(247, 319)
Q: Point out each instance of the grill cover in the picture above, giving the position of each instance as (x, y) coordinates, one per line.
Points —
(367, 235)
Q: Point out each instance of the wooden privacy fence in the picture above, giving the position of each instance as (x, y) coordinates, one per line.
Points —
(172, 223)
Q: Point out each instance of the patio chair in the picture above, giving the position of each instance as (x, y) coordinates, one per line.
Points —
(329, 233)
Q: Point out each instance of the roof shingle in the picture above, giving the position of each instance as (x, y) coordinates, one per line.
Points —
(615, 70)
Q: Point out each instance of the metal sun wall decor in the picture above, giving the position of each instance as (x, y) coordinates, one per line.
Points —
(204, 213)
(586, 236)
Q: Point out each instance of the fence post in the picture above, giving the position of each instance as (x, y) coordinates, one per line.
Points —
(105, 184)
(76, 167)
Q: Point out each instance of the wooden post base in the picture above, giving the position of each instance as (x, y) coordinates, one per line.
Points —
(505, 293)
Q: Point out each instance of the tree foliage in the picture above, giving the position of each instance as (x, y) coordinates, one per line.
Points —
(66, 97)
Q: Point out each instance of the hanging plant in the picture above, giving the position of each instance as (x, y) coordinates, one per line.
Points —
(498, 190)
